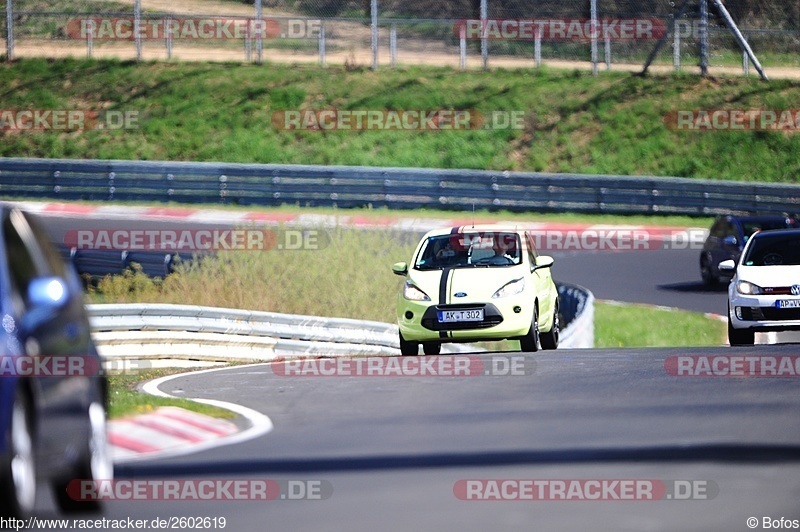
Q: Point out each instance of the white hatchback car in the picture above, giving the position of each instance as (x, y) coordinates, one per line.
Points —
(764, 294)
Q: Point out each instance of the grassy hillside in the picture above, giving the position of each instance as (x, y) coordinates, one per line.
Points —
(574, 122)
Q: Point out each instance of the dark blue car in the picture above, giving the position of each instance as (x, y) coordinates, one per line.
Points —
(727, 237)
(53, 395)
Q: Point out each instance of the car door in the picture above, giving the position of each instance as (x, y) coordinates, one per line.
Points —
(49, 334)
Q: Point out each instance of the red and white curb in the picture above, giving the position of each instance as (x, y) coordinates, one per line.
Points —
(173, 431)
(164, 429)
(571, 235)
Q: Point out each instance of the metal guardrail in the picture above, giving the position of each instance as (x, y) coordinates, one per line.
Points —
(396, 188)
(149, 331)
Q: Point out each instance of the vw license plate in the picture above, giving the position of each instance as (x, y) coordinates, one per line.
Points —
(448, 316)
(788, 303)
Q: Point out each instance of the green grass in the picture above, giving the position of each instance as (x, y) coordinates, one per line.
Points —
(349, 276)
(125, 399)
(610, 124)
(620, 325)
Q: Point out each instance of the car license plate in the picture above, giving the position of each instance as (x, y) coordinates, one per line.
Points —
(788, 303)
(449, 316)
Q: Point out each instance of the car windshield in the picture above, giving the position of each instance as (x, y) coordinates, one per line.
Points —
(465, 250)
(754, 226)
(774, 249)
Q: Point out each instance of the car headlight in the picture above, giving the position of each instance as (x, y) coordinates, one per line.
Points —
(411, 292)
(510, 289)
(749, 289)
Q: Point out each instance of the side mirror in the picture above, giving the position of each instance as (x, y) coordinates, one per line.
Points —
(544, 261)
(727, 266)
(400, 268)
(46, 296)
(730, 240)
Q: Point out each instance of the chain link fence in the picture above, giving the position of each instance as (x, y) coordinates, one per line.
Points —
(598, 34)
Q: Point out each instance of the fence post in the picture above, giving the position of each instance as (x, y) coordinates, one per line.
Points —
(137, 24)
(168, 36)
(9, 30)
(248, 42)
(90, 39)
(537, 48)
(374, 31)
(322, 43)
(484, 41)
(676, 45)
(745, 59)
(594, 26)
(462, 46)
(608, 50)
(393, 44)
(703, 30)
(259, 32)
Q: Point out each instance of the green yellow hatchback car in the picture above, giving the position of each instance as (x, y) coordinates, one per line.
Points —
(477, 283)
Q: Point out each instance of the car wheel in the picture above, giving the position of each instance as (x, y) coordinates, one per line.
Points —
(18, 482)
(530, 342)
(549, 339)
(408, 348)
(709, 279)
(96, 465)
(740, 336)
(431, 348)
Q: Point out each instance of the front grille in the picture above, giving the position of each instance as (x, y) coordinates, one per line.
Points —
(770, 314)
(491, 317)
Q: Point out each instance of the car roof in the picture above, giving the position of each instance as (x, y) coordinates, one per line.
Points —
(795, 232)
(475, 228)
(760, 218)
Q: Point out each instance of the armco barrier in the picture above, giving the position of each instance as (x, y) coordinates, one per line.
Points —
(147, 331)
(397, 188)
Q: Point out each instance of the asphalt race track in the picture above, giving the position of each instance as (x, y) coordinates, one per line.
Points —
(403, 453)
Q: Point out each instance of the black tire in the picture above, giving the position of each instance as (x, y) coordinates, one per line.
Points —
(740, 336)
(431, 348)
(706, 273)
(530, 342)
(549, 339)
(18, 478)
(95, 465)
(408, 349)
